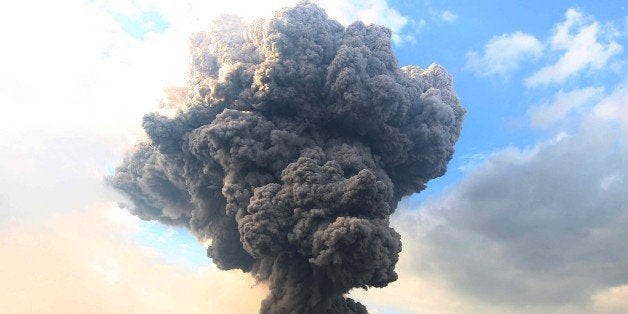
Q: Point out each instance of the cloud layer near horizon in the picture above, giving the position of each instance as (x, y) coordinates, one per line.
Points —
(52, 270)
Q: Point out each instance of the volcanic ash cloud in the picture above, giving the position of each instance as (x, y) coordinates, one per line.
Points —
(297, 141)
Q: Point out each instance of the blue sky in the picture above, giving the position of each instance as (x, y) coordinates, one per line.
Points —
(542, 156)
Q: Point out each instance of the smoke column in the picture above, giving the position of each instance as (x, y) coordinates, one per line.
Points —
(297, 141)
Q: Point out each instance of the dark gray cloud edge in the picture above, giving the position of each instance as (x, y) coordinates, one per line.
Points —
(543, 228)
(298, 140)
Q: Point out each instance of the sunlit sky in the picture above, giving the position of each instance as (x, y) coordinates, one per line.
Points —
(530, 218)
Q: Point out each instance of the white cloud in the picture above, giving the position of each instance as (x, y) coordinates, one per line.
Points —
(578, 37)
(503, 54)
(68, 65)
(370, 11)
(614, 107)
(448, 16)
(122, 219)
(610, 180)
(562, 104)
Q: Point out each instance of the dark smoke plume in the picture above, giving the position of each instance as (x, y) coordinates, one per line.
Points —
(297, 141)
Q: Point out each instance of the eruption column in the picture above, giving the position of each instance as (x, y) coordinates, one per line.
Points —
(298, 139)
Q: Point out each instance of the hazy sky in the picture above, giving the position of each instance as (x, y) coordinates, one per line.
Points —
(530, 218)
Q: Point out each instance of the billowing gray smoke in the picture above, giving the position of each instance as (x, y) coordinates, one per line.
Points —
(298, 139)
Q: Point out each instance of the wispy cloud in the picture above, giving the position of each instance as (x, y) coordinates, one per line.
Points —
(503, 54)
(562, 104)
(613, 107)
(449, 16)
(584, 43)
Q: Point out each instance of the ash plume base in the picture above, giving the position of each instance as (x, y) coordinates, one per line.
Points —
(296, 142)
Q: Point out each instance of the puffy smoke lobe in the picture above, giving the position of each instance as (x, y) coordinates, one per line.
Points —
(298, 139)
